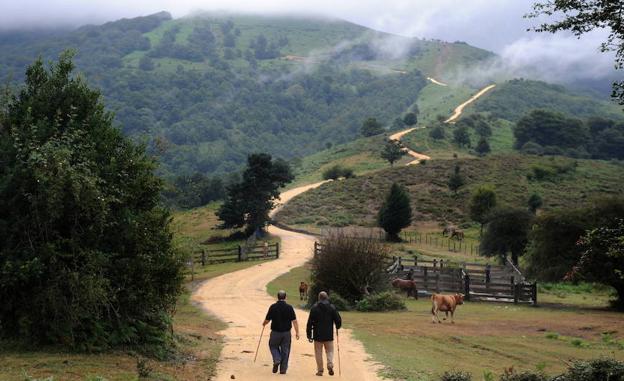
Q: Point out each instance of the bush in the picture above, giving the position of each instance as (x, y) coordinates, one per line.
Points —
(339, 302)
(336, 172)
(349, 266)
(599, 369)
(382, 301)
(523, 376)
(456, 376)
(532, 148)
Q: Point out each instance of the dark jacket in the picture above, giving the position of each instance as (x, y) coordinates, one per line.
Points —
(323, 316)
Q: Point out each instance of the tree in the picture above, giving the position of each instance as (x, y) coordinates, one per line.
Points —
(371, 127)
(456, 180)
(85, 249)
(461, 136)
(392, 151)
(583, 16)
(483, 147)
(506, 232)
(249, 201)
(602, 258)
(535, 202)
(482, 203)
(410, 119)
(437, 133)
(548, 128)
(395, 213)
(397, 124)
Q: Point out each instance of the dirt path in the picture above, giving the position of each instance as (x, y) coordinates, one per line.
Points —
(459, 109)
(433, 80)
(240, 299)
(417, 156)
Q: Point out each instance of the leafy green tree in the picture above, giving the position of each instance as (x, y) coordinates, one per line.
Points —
(583, 16)
(548, 128)
(506, 233)
(437, 133)
(456, 180)
(371, 127)
(393, 151)
(85, 249)
(483, 147)
(602, 258)
(535, 202)
(461, 136)
(249, 201)
(410, 119)
(482, 203)
(395, 213)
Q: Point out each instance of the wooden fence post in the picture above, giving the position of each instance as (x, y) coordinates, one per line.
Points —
(516, 293)
(426, 283)
(438, 282)
(415, 261)
(240, 253)
(203, 257)
(467, 287)
(449, 244)
(276, 250)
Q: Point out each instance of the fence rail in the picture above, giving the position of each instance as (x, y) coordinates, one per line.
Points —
(236, 254)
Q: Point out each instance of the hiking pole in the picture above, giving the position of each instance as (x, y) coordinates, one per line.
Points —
(258, 348)
(338, 346)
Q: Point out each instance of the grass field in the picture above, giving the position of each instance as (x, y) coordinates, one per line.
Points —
(487, 337)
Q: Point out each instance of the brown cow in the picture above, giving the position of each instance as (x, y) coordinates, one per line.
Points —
(445, 303)
(406, 285)
(303, 291)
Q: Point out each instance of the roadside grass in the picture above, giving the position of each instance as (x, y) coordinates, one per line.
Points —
(486, 337)
(355, 202)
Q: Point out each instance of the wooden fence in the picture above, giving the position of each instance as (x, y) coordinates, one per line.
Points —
(236, 254)
(444, 243)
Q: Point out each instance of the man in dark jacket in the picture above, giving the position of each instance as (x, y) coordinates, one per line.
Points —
(282, 318)
(320, 329)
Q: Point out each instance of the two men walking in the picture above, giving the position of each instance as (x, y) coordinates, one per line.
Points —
(319, 329)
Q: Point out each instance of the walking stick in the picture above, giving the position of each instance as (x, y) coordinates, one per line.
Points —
(338, 346)
(261, 333)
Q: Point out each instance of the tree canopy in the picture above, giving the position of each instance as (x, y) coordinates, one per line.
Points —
(506, 233)
(483, 201)
(85, 249)
(393, 151)
(371, 127)
(249, 201)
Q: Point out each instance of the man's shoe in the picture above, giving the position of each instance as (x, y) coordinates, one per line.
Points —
(275, 366)
(319, 373)
(330, 371)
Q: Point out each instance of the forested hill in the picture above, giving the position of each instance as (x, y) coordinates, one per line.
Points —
(205, 91)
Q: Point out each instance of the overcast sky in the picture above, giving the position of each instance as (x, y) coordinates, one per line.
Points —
(495, 25)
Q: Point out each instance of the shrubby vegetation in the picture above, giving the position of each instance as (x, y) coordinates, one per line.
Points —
(85, 249)
(336, 172)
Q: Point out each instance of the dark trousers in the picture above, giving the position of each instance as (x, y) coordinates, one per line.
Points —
(279, 344)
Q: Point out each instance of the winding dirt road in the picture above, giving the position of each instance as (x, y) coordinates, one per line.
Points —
(435, 81)
(459, 109)
(241, 300)
(417, 156)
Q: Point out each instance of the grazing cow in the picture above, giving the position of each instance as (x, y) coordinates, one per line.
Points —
(303, 291)
(406, 285)
(445, 303)
(459, 234)
(449, 229)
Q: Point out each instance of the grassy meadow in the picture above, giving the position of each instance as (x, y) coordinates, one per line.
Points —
(570, 323)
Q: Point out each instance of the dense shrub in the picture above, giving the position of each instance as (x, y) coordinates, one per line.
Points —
(593, 370)
(523, 376)
(337, 171)
(380, 301)
(350, 266)
(456, 376)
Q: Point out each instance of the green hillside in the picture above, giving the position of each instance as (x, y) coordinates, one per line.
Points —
(512, 100)
(204, 91)
(567, 182)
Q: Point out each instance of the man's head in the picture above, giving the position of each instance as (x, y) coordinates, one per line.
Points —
(281, 295)
(322, 296)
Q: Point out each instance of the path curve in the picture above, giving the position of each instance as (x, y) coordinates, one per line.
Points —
(417, 156)
(433, 80)
(459, 109)
(240, 299)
